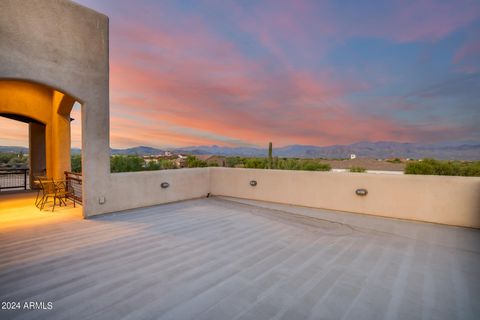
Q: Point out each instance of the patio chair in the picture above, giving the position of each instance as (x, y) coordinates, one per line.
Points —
(71, 191)
(38, 186)
(65, 191)
(53, 189)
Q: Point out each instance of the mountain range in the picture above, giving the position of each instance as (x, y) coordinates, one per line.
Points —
(469, 150)
(381, 149)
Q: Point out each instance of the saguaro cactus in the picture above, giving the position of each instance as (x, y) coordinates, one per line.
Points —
(270, 159)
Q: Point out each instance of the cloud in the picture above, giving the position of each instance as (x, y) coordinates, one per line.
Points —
(203, 86)
(464, 86)
(426, 20)
(241, 73)
(467, 55)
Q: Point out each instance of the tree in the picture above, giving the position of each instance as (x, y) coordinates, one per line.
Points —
(312, 165)
(256, 163)
(443, 168)
(76, 163)
(152, 165)
(233, 161)
(194, 162)
(6, 156)
(126, 163)
(167, 164)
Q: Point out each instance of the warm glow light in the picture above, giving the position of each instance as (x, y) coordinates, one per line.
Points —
(21, 219)
(17, 211)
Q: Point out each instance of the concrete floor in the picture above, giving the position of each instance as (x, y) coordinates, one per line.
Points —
(223, 259)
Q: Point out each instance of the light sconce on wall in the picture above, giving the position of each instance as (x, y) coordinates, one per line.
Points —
(165, 185)
(361, 192)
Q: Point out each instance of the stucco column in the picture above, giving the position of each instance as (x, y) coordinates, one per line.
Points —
(37, 149)
(61, 107)
(60, 145)
(96, 151)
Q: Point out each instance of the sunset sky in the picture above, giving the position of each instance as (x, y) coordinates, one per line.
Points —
(242, 73)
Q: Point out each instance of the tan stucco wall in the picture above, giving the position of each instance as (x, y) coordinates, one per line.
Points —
(41, 103)
(139, 189)
(439, 199)
(64, 46)
(26, 99)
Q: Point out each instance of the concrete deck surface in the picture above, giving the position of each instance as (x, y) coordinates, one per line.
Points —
(222, 258)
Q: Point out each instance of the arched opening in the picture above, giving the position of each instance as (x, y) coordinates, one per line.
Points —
(27, 149)
(47, 113)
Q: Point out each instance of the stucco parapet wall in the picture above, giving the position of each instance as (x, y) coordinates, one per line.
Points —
(140, 189)
(438, 199)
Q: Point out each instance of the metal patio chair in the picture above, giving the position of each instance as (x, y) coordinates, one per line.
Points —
(36, 181)
(53, 190)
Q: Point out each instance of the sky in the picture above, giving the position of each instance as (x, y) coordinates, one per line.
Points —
(243, 73)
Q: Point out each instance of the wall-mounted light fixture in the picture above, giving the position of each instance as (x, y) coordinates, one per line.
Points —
(253, 183)
(361, 192)
(165, 185)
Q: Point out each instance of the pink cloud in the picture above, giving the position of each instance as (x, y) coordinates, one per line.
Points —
(429, 19)
(301, 24)
(467, 55)
(202, 81)
(206, 84)
(170, 72)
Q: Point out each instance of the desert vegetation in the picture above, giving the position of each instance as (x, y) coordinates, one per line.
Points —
(396, 160)
(13, 160)
(278, 163)
(444, 168)
(124, 163)
(132, 163)
(357, 169)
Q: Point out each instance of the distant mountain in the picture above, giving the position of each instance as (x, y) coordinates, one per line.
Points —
(224, 151)
(13, 149)
(469, 150)
(384, 149)
(381, 149)
(141, 150)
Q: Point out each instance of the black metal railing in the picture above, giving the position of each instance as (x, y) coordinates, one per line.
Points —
(14, 179)
(74, 185)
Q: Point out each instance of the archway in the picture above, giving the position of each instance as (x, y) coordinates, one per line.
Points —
(37, 156)
(47, 113)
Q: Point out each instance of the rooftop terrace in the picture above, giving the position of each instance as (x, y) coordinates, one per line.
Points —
(221, 258)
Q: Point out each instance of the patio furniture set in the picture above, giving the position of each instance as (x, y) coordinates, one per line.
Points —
(50, 189)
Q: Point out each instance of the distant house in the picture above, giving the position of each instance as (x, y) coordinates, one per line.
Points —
(148, 159)
(168, 154)
(353, 156)
(212, 159)
(180, 162)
